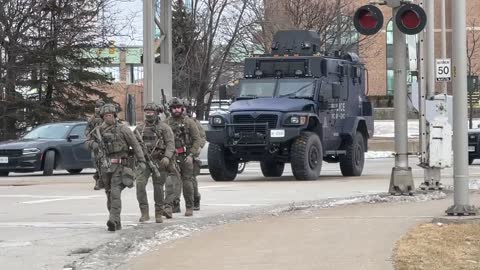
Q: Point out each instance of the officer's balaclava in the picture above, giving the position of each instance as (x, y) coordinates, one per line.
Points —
(151, 118)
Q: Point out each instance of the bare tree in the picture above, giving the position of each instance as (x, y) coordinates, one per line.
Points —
(49, 68)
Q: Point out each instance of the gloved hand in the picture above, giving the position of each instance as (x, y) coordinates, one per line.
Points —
(141, 166)
(94, 146)
(164, 162)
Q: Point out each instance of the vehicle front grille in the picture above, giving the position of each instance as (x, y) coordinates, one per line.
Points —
(11, 153)
(256, 125)
(472, 138)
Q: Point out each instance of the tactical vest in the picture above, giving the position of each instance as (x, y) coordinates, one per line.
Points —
(114, 142)
(153, 137)
(182, 135)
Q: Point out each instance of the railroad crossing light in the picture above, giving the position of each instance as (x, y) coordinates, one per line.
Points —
(368, 20)
(411, 19)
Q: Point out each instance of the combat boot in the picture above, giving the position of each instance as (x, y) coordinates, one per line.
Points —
(118, 226)
(145, 216)
(176, 207)
(189, 212)
(158, 216)
(196, 204)
(167, 212)
(111, 226)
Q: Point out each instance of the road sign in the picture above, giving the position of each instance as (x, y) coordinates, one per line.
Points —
(443, 69)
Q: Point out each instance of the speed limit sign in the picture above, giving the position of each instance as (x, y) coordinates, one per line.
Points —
(444, 70)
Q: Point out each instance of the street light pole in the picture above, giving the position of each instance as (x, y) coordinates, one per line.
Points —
(401, 180)
(459, 85)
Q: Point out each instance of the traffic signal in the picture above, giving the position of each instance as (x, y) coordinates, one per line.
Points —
(411, 19)
(368, 20)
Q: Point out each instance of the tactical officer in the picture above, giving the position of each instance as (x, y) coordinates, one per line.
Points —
(196, 161)
(114, 139)
(158, 142)
(92, 123)
(187, 146)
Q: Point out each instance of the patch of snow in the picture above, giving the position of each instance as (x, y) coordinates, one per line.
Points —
(474, 184)
(379, 154)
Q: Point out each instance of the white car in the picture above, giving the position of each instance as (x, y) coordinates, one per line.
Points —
(204, 153)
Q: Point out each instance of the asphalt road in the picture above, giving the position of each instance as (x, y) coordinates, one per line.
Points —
(44, 219)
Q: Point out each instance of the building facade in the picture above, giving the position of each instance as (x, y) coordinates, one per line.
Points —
(376, 51)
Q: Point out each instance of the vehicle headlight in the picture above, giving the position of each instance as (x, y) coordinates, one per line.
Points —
(296, 120)
(30, 151)
(217, 121)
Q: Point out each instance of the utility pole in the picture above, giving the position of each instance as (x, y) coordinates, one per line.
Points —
(148, 49)
(444, 38)
(432, 175)
(461, 204)
(157, 75)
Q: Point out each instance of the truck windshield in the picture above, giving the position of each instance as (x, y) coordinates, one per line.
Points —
(295, 88)
(257, 88)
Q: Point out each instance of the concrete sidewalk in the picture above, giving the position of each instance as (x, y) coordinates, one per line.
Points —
(343, 238)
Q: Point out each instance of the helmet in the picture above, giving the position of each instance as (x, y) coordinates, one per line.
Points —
(108, 108)
(99, 103)
(175, 102)
(151, 107)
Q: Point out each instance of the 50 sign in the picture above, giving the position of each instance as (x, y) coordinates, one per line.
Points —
(444, 70)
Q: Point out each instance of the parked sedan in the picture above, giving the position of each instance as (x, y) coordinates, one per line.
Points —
(47, 148)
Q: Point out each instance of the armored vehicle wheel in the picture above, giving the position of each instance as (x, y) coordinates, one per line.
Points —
(4, 173)
(352, 163)
(307, 156)
(220, 166)
(272, 168)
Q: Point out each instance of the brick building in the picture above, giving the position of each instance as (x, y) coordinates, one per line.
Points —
(376, 51)
(126, 72)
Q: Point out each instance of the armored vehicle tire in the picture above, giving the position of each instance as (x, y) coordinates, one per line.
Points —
(4, 173)
(352, 163)
(74, 171)
(307, 156)
(221, 168)
(272, 168)
(49, 163)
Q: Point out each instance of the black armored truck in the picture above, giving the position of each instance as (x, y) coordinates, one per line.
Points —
(294, 105)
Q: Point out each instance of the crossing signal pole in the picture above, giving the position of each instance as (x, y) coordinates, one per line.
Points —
(409, 19)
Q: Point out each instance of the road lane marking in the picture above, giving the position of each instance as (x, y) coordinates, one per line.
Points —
(235, 204)
(63, 198)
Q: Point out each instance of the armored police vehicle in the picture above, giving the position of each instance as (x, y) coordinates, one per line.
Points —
(294, 106)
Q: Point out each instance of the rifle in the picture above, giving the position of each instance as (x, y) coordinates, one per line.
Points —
(101, 155)
(148, 156)
(164, 103)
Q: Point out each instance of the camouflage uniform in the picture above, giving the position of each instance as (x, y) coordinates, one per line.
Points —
(159, 141)
(196, 166)
(187, 145)
(197, 163)
(92, 123)
(116, 139)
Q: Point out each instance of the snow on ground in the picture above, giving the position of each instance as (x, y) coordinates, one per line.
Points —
(379, 154)
(385, 128)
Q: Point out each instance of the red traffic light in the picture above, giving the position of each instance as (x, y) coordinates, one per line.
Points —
(368, 20)
(411, 19)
